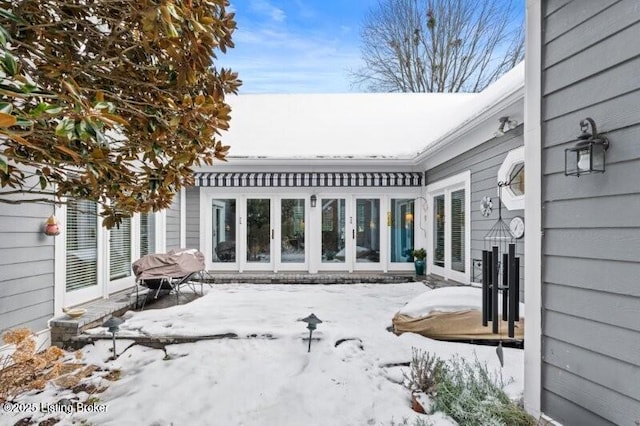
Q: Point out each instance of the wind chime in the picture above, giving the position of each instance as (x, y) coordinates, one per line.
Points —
(500, 274)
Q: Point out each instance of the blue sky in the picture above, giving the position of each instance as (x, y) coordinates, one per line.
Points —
(297, 46)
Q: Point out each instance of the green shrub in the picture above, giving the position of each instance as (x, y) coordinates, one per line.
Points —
(472, 396)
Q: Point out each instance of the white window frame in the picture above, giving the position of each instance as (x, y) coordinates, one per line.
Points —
(446, 187)
(513, 159)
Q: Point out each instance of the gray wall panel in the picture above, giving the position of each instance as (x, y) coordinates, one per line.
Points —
(556, 353)
(582, 65)
(591, 224)
(608, 22)
(193, 217)
(571, 413)
(590, 397)
(173, 224)
(26, 267)
(607, 340)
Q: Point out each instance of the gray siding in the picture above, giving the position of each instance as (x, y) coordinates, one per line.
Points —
(173, 224)
(26, 267)
(591, 224)
(484, 162)
(193, 217)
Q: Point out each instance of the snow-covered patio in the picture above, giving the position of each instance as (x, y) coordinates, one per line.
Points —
(266, 376)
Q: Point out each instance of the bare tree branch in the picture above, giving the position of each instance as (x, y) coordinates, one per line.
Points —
(438, 45)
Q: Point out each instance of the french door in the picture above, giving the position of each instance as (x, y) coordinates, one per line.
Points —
(256, 233)
(448, 252)
(350, 234)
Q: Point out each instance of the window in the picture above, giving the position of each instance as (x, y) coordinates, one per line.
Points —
(512, 173)
(120, 250)
(147, 233)
(82, 244)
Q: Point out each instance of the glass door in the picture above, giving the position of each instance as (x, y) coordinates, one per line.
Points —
(259, 234)
(401, 227)
(120, 256)
(292, 235)
(366, 233)
(333, 249)
(449, 255)
(224, 236)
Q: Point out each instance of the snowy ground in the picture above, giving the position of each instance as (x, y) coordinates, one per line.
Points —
(270, 381)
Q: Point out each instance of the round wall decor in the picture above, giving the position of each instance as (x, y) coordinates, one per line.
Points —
(486, 206)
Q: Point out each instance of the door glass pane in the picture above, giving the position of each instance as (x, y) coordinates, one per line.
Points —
(368, 230)
(147, 233)
(82, 244)
(438, 230)
(120, 250)
(333, 222)
(292, 231)
(259, 230)
(401, 224)
(457, 231)
(223, 213)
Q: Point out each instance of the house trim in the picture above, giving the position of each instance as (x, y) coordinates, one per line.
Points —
(533, 201)
(183, 218)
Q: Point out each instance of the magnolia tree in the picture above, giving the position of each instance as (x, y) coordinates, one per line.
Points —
(113, 101)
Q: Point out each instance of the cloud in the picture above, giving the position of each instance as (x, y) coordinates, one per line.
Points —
(265, 7)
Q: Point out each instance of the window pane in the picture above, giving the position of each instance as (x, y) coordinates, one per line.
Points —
(402, 211)
(333, 223)
(457, 231)
(368, 230)
(223, 214)
(438, 230)
(147, 233)
(516, 179)
(120, 250)
(259, 230)
(292, 231)
(82, 244)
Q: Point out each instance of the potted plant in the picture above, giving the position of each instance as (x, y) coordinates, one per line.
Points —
(419, 256)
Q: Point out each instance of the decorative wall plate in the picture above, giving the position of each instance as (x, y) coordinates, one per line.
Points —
(486, 206)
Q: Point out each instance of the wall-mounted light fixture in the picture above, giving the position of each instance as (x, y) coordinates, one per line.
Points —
(506, 124)
(588, 154)
(314, 200)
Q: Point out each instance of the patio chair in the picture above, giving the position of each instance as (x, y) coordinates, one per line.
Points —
(163, 273)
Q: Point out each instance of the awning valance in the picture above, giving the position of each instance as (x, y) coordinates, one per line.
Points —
(312, 179)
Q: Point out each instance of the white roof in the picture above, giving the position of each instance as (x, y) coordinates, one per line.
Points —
(328, 125)
(360, 125)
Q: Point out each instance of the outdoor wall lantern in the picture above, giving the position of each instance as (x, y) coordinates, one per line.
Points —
(113, 324)
(312, 322)
(588, 154)
(314, 200)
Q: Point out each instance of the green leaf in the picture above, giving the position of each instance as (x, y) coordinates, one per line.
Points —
(6, 107)
(53, 109)
(9, 64)
(8, 15)
(65, 128)
(4, 36)
(43, 182)
(102, 105)
(4, 167)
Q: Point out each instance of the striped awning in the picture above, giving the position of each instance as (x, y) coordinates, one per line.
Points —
(278, 180)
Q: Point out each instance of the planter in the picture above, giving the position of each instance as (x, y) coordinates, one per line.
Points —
(420, 266)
